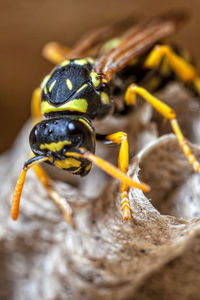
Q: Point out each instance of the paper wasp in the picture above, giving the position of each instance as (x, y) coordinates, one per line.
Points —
(81, 88)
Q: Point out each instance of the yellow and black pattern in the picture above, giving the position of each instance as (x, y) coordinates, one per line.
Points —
(55, 137)
(74, 87)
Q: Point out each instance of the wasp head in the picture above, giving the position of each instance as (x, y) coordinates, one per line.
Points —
(60, 139)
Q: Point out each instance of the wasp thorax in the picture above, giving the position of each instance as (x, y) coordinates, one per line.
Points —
(60, 138)
(74, 87)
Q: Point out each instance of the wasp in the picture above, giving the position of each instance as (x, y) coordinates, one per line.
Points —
(82, 87)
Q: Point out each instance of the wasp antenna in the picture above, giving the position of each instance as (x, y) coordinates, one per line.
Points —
(115, 172)
(110, 169)
(20, 184)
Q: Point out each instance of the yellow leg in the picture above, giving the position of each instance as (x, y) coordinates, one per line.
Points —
(182, 68)
(35, 105)
(123, 162)
(167, 113)
(55, 53)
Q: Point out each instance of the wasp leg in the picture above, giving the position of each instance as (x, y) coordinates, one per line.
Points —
(47, 183)
(55, 52)
(183, 69)
(168, 113)
(123, 162)
(35, 106)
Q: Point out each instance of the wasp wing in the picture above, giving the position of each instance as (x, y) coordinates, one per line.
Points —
(137, 41)
(88, 45)
(91, 42)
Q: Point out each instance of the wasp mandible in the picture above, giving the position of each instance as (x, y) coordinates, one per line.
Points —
(80, 89)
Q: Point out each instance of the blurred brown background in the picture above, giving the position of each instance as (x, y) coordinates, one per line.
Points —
(26, 25)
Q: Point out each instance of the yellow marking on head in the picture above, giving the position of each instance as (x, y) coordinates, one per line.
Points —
(44, 81)
(69, 84)
(67, 163)
(45, 89)
(82, 61)
(90, 60)
(55, 146)
(79, 105)
(86, 123)
(82, 87)
(95, 79)
(104, 98)
(52, 85)
(65, 63)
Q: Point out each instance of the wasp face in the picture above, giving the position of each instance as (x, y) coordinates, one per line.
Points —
(74, 87)
(59, 138)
